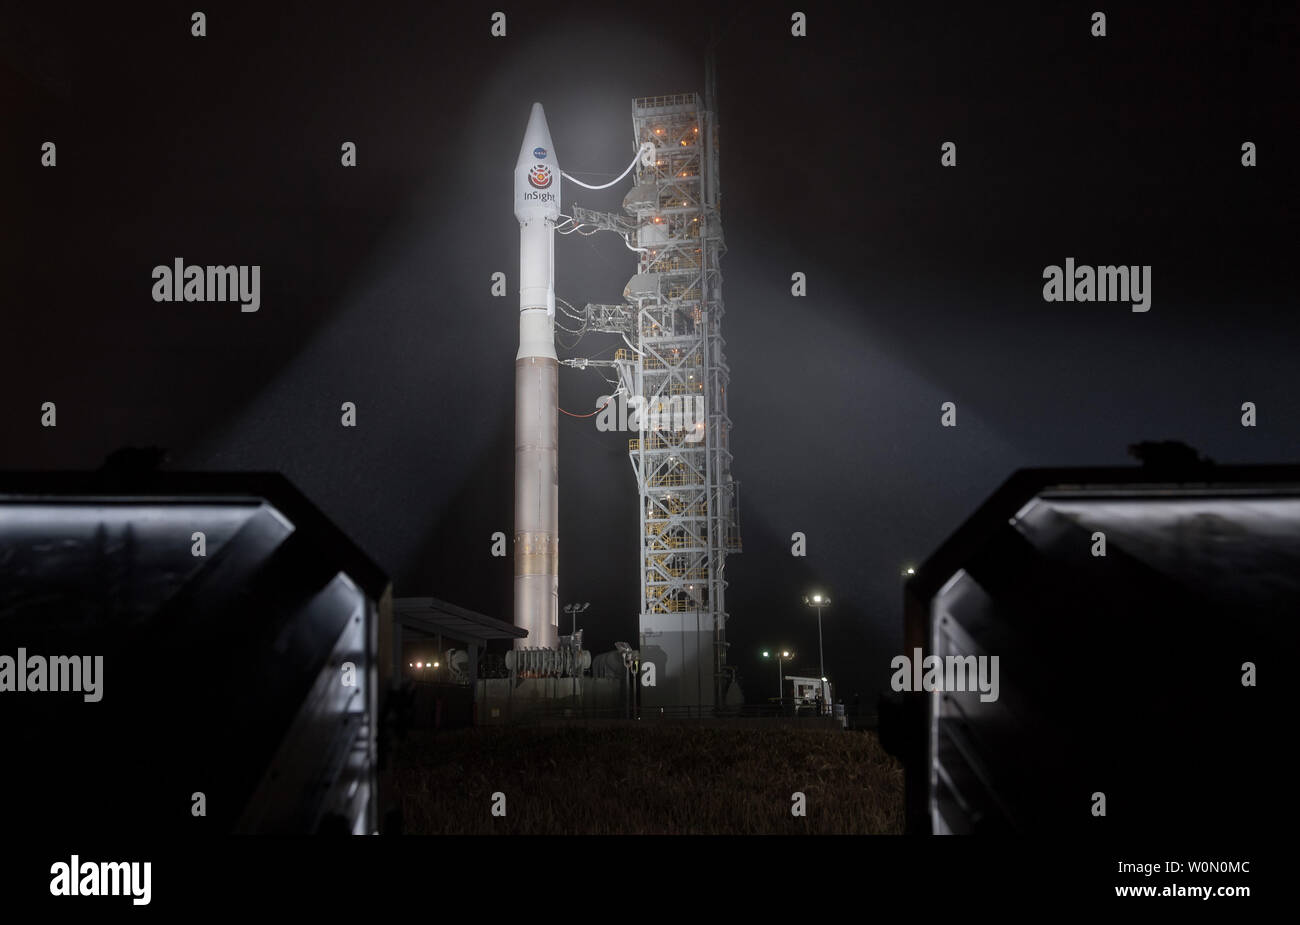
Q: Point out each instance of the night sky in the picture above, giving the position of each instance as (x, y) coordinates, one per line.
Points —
(924, 283)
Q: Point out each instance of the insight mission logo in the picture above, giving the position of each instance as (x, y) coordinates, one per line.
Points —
(540, 176)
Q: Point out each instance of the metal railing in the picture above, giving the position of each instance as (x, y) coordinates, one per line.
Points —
(645, 713)
(664, 102)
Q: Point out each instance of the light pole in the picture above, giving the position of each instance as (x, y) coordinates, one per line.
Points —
(781, 657)
(699, 681)
(576, 609)
(819, 600)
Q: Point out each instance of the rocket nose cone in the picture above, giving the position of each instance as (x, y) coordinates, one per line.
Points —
(537, 139)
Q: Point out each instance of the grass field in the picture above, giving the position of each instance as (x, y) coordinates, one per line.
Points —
(642, 779)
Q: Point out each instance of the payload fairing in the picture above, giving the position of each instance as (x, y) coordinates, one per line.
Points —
(537, 496)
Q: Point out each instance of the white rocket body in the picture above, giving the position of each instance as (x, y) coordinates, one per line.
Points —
(537, 495)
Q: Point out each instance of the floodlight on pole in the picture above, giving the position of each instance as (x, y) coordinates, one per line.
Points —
(574, 610)
(818, 600)
(784, 656)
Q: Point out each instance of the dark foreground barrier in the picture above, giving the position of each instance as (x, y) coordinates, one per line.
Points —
(1137, 619)
(185, 653)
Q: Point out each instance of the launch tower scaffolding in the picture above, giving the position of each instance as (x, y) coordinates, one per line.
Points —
(677, 371)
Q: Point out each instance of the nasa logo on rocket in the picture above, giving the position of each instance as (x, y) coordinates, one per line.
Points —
(540, 175)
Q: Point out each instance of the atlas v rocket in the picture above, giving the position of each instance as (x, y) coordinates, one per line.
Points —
(537, 495)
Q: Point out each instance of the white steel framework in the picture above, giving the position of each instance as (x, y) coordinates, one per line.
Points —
(677, 371)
